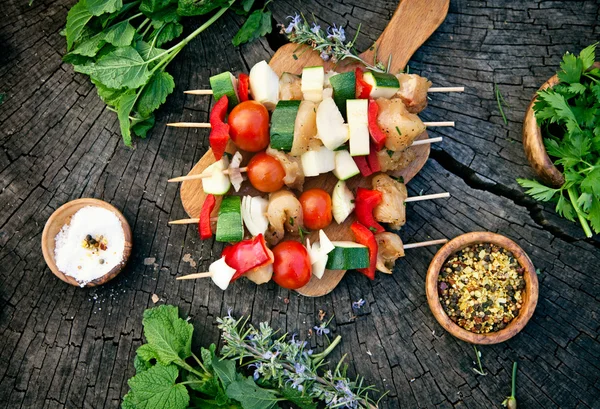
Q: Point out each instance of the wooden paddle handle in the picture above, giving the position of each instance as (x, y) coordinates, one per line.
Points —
(412, 23)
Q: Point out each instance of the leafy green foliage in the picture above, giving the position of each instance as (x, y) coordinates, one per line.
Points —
(257, 25)
(251, 395)
(119, 46)
(569, 115)
(156, 388)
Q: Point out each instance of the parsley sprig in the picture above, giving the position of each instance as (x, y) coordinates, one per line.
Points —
(569, 116)
(169, 375)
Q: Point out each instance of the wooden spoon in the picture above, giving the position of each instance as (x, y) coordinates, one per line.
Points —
(412, 23)
(61, 217)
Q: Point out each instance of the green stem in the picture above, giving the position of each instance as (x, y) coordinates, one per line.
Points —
(205, 25)
(188, 368)
(320, 356)
(580, 215)
(146, 21)
(201, 365)
(514, 380)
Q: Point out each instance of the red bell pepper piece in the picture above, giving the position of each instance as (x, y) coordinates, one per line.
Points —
(363, 166)
(219, 132)
(363, 88)
(243, 86)
(366, 201)
(366, 237)
(247, 255)
(204, 228)
(377, 135)
(373, 159)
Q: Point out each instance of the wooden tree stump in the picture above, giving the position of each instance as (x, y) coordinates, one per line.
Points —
(66, 347)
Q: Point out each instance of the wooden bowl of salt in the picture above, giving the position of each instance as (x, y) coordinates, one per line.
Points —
(89, 239)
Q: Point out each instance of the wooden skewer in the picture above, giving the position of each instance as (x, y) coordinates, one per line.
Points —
(406, 247)
(202, 175)
(427, 141)
(207, 125)
(432, 89)
(407, 200)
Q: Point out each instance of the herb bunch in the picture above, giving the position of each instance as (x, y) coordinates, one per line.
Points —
(330, 43)
(569, 116)
(170, 376)
(120, 44)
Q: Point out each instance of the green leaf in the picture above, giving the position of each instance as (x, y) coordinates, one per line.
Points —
(141, 127)
(167, 32)
(591, 183)
(120, 35)
(225, 371)
(140, 364)
(585, 201)
(160, 10)
(98, 7)
(565, 208)
(156, 389)
(128, 402)
(257, 25)
(199, 7)
(594, 215)
(588, 56)
(89, 47)
(247, 5)
(110, 96)
(77, 18)
(124, 107)
(250, 395)
(122, 68)
(209, 386)
(301, 400)
(147, 51)
(572, 67)
(155, 93)
(577, 88)
(537, 190)
(167, 334)
(208, 355)
(557, 102)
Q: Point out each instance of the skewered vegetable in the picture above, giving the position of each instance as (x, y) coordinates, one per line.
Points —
(254, 211)
(366, 202)
(345, 167)
(204, 227)
(284, 212)
(221, 273)
(290, 87)
(217, 183)
(366, 237)
(389, 249)
(265, 173)
(413, 91)
(249, 126)
(400, 126)
(342, 202)
(316, 208)
(348, 255)
(234, 173)
(377, 135)
(294, 174)
(320, 160)
(383, 85)
(225, 84)
(318, 253)
(264, 85)
(247, 255)
(219, 130)
(332, 130)
(291, 268)
(243, 87)
(283, 123)
(344, 88)
(305, 129)
(392, 209)
(230, 228)
(312, 83)
(363, 88)
(358, 128)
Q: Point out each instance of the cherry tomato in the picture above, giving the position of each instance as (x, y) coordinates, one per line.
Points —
(265, 173)
(291, 268)
(249, 126)
(316, 208)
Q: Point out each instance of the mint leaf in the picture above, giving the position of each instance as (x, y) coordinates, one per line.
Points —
(537, 190)
(120, 35)
(199, 7)
(169, 336)
(588, 56)
(225, 370)
(122, 68)
(156, 389)
(77, 18)
(257, 25)
(155, 93)
(250, 395)
(128, 402)
(140, 364)
(98, 7)
(572, 67)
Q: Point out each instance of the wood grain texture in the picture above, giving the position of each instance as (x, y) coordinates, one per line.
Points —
(66, 347)
(530, 294)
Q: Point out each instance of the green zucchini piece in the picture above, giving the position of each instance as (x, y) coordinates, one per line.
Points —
(384, 85)
(225, 84)
(344, 87)
(347, 255)
(283, 121)
(230, 228)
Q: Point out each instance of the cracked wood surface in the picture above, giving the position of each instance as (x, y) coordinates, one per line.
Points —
(66, 347)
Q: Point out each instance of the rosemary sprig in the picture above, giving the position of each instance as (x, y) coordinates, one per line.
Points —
(331, 43)
(500, 100)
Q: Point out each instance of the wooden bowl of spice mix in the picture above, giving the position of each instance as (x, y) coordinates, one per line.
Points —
(482, 288)
(86, 242)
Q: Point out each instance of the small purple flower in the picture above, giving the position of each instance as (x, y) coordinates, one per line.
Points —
(256, 365)
(315, 28)
(358, 304)
(295, 20)
(336, 33)
(324, 56)
(321, 329)
(299, 368)
(269, 355)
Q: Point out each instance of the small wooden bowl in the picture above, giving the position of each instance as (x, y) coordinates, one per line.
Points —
(530, 295)
(62, 216)
(533, 142)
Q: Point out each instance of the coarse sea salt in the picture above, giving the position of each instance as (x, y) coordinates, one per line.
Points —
(73, 253)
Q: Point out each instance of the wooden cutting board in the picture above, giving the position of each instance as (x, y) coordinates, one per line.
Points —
(412, 23)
